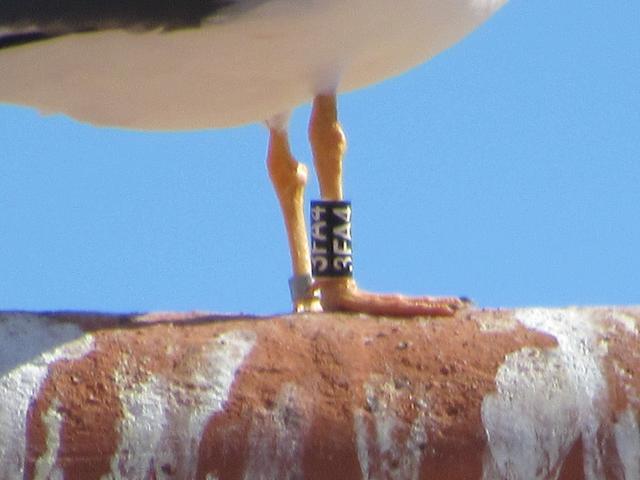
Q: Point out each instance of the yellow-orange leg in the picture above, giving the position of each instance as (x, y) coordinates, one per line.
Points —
(342, 294)
(289, 179)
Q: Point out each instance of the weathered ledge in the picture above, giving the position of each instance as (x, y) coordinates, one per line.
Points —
(490, 394)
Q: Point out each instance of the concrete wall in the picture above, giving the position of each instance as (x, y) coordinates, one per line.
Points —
(490, 394)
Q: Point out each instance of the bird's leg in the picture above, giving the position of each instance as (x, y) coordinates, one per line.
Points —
(340, 293)
(289, 179)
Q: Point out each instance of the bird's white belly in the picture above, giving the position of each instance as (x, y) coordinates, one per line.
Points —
(243, 70)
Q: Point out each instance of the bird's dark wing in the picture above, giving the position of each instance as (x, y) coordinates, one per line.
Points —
(15, 39)
(24, 21)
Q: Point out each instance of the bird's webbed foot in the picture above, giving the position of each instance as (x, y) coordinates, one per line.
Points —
(344, 295)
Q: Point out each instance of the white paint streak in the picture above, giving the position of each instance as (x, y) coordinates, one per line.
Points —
(276, 439)
(386, 450)
(627, 435)
(362, 441)
(144, 410)
(213, 382)
(531, 421)
(46, 468)
(28, 346)
(546, 400)
(626, 429)
(168, 415)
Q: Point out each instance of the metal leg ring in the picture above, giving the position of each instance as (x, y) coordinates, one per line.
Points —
(301, 288)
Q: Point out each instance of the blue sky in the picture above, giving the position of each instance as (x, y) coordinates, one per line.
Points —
(507, 169)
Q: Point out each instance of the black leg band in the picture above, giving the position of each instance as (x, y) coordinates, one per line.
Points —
(331, 249)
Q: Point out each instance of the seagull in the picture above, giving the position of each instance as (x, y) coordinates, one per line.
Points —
(201, 64)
